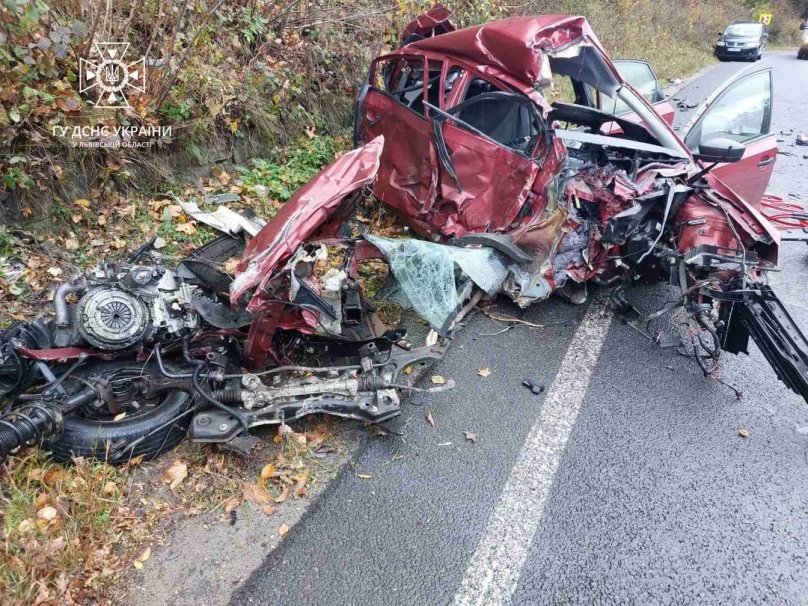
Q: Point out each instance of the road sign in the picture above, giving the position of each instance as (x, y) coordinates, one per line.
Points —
(765, 18)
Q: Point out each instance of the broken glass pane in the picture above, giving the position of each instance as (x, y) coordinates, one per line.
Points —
(430, 274)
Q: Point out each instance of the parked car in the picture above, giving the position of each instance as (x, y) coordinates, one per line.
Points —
(742, 40)
(802, 53)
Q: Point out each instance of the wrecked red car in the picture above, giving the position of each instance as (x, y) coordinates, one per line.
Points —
(510, 192)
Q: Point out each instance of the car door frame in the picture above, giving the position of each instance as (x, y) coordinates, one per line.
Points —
(509, 164)
(748, 178)
(660, 103)
(401, 153)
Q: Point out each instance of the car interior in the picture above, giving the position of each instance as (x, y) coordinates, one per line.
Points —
(509, 118)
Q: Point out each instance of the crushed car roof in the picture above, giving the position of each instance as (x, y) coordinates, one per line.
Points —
(519, 46)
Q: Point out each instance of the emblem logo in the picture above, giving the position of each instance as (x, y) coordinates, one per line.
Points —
(111, 76)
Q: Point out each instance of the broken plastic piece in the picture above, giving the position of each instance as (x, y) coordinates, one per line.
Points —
(532, 386)
(223, 219)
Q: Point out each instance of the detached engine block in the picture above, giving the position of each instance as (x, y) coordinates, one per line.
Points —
(121, 305)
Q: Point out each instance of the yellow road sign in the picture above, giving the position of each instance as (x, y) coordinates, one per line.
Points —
(765, 18)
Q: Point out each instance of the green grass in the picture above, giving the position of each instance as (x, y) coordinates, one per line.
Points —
(285, 173)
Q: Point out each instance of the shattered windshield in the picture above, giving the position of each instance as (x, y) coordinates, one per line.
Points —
(433, 276)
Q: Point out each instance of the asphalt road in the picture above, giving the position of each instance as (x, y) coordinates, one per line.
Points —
(626, 481)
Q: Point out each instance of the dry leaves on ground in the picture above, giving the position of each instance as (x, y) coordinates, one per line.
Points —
(175, 474)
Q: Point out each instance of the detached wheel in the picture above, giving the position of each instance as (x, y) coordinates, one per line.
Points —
(94, 432)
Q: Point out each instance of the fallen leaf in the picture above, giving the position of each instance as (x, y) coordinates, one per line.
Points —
(438, 380)
(138, 565)
(267, 472)
(430, 419)
(364, 476)
(83, 202)
(744, 433)
(159, 243)
(470, 436)
(283, 496)
(232, 503)
(52, 476)
(484, 372)
(145, 555)
(256, 494)
(47, 513)
(175, 474)
(408, 370)
(102, 220)
(55, 271)
(110, 488)
(189, 229)
(268, 509)
(284, 528)
(119, 416)
(55, 545)
(231, 265)
(300, 487)
(25, 526)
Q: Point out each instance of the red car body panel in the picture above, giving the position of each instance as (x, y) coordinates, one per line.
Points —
(302, 216)
(432, 23)
(515, 46)
(508, 53)
(750, 176)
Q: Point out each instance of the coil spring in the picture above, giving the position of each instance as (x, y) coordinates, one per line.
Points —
(26, 424)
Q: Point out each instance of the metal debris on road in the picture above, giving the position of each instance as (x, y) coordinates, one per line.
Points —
(532, 386)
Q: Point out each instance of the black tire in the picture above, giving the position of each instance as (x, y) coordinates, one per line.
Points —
(102, 439)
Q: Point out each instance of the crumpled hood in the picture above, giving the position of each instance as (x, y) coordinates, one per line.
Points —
(303, 215)
(516, 45)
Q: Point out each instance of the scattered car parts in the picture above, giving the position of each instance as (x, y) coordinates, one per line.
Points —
(509, 194)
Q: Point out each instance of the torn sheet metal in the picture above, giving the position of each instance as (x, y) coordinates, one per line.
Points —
(223, 219)
(307, 212)
(427, 274)
(521, 46)
(434, 22)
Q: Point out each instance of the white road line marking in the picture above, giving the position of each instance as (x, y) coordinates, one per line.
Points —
(497, 563)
